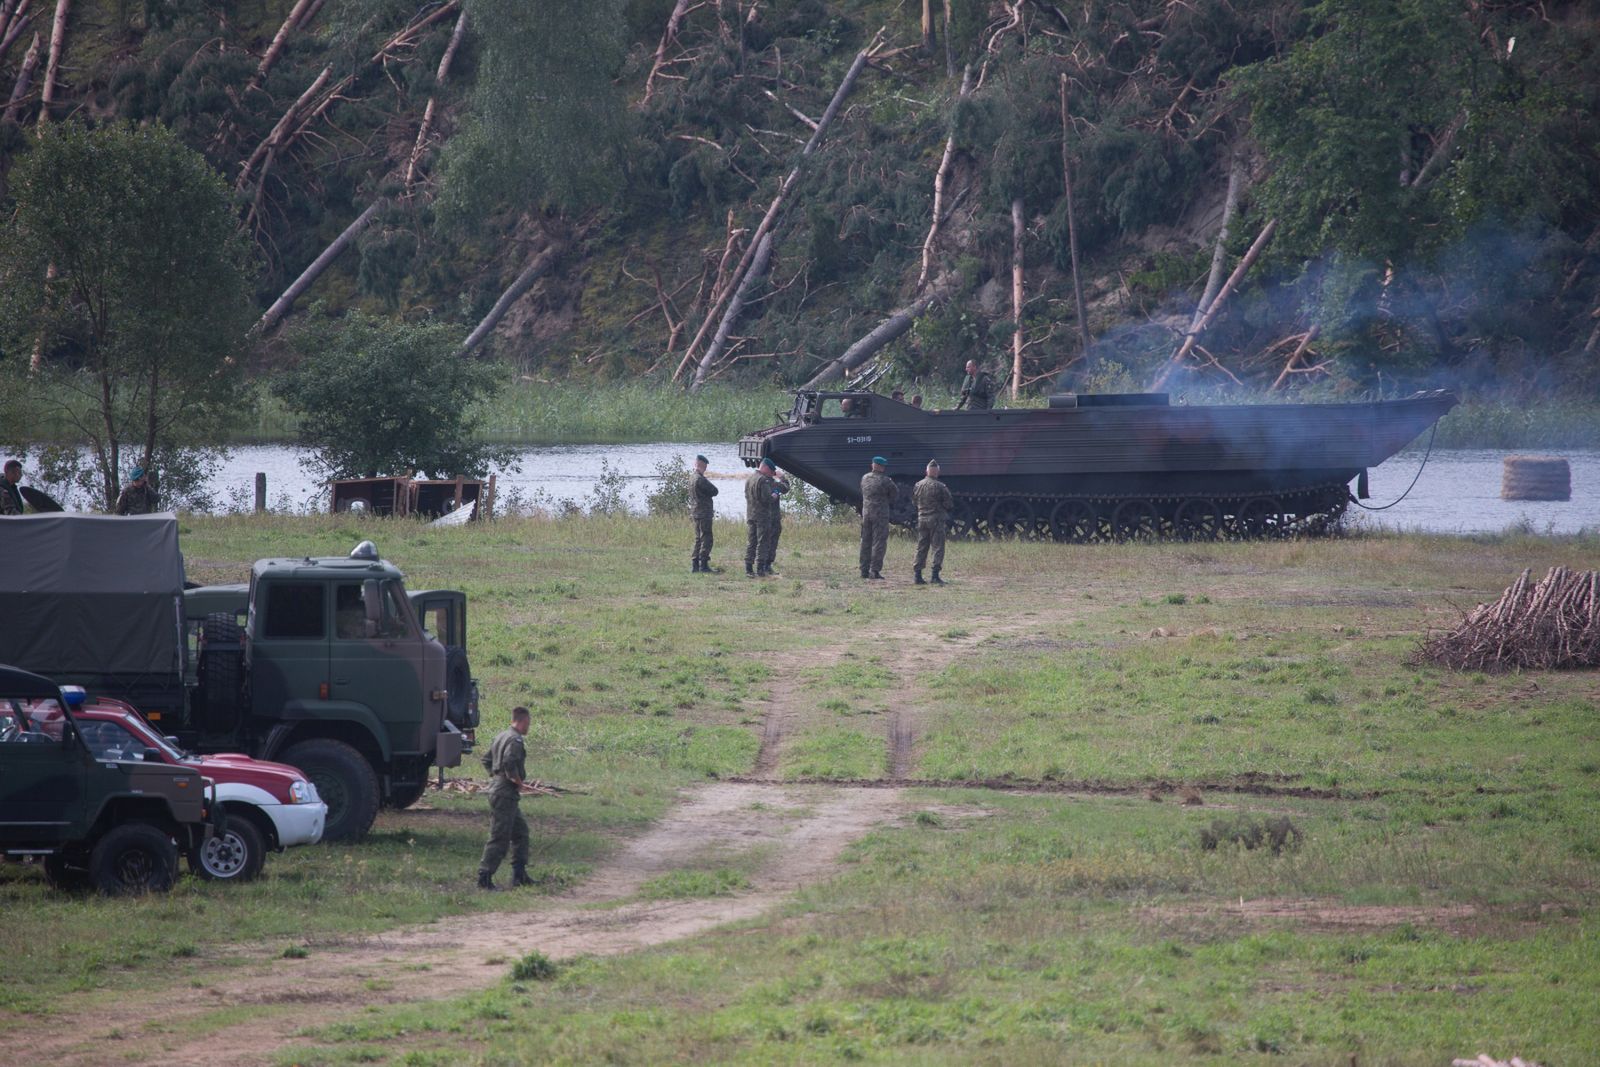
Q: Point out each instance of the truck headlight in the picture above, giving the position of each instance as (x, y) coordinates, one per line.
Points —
(301, 792)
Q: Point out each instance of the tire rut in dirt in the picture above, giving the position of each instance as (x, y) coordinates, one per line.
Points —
(901, 740)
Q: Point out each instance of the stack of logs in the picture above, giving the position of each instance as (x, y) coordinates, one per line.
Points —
(1548, 624)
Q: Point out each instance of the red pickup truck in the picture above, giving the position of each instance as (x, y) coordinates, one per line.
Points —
(269, 806)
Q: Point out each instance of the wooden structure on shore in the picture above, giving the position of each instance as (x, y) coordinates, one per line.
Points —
(423, 497)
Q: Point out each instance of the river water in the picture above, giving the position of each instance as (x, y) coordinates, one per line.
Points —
(1458, 491)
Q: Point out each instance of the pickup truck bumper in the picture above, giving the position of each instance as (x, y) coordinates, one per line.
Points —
(297, 824)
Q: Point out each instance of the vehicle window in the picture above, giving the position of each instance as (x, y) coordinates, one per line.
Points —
(349, 613)
(396, 620)
(111, 741)
(26, 723)
(294, 610)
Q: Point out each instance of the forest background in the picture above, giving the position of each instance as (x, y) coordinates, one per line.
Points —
(1255, 198)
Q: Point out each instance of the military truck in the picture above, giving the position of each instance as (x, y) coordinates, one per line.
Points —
(118, 825)
(327, 664)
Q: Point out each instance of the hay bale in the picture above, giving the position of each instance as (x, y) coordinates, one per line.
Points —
(1536, 478)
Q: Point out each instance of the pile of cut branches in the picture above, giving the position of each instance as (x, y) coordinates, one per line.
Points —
(1548, 624)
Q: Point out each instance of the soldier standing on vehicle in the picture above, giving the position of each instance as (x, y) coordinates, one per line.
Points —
(10, 498)
(506, 762)
(977, 389)
(878, 493)
(138, 497)
(934, 502)
(780, 486)
(758, 489)
(700, 493)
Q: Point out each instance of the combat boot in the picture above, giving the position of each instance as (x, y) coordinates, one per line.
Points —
(865, 573)
(936, 579)
(519, 876)
(694, 566)
(749, 569)
(918, 573)
(486, 881)
(877, 577)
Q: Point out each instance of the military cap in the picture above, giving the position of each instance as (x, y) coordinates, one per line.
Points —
(933, 463)
(136, 473)
(701, 459)
(767, 463)
(880, 461)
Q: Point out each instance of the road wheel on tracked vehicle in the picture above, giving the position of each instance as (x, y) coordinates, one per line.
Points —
(133, 858)
(1135, 520)
(1198, 519)
(345, 781)
(963, 523)
(1076, 521)
(235, 855)
(1011, 517)
(1260, 517)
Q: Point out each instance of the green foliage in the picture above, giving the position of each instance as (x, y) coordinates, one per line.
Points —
(671, 495)
(534, 967)
(545, 122)
(123, 269)
(376, 396)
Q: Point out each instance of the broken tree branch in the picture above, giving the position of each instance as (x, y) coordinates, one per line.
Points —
(1216, 305)
(758, 267)
(58, 40)
(24, 79)
(668, 35)
(1072, 223)
(297, 16)
(426, 127)
(1293, 362)
(280, 307)
(1219, 252)
(886, 331)
(1017, 230)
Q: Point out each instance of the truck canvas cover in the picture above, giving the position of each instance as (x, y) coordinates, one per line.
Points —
(89, 598)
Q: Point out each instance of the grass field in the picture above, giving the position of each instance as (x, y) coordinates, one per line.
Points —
(1429, 842)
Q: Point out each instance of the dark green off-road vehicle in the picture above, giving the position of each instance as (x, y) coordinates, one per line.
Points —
(326, 663)
(114, 824)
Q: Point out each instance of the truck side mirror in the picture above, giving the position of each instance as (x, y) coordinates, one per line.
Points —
(372, 603)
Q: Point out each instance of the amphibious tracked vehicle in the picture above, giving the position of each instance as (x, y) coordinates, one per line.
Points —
(1107, 466)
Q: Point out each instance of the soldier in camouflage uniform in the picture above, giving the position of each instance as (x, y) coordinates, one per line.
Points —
(10, 498)
(934, 502)
(977, 389)
(138, 497)
(878, 493)
(506, 762)
(758, 490)
(780, 486)
(700, 493)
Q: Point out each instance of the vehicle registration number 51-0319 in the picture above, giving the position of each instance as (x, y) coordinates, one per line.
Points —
(864, 440)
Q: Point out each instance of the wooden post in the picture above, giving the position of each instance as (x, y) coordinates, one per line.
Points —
(486, 508)
(261, 492)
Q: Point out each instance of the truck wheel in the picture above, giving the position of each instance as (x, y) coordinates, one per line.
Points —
(235, 855)
(403, 796)
(344, 780)
(133, 858)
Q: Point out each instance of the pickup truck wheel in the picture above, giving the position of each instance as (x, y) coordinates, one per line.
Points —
(133, 858)
(344, 780)
(235, 855)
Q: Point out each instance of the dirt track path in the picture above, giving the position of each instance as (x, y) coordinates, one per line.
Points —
(251, 1011)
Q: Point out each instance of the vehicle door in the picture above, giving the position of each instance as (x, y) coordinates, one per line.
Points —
(376, 656)
(288, 647)
(42, 775)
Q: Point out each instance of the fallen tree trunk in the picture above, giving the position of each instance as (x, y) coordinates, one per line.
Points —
(758, 267)
(1293, 362)
(668, 35)
(784, 190)
(58, 41)
(1219, 253)
(30, 62)
(281, 306)
(1072, 221)
(276, 138)
(533, 272)
(297, 16)
(1216, 305)
(886, 331)
(1016, 295)
(939, 178)
(13, 22)
(428, 112)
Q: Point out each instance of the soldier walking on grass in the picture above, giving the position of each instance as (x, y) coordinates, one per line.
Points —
(878, 493)
(700, 493)
(506, 762)
(934, 503)
(758, 490)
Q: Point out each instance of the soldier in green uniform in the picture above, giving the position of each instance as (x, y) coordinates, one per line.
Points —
(700, 493)
(878, 493)
(780, 486)
(138, 497)
(977, 389)
(758, 490)
(506, 762)
(10, 498)
(934, 502)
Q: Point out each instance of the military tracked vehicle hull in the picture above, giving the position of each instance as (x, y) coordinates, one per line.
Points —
(1107, 467)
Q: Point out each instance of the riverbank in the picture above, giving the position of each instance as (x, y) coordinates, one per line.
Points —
(1092, 714)
(536, 413)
